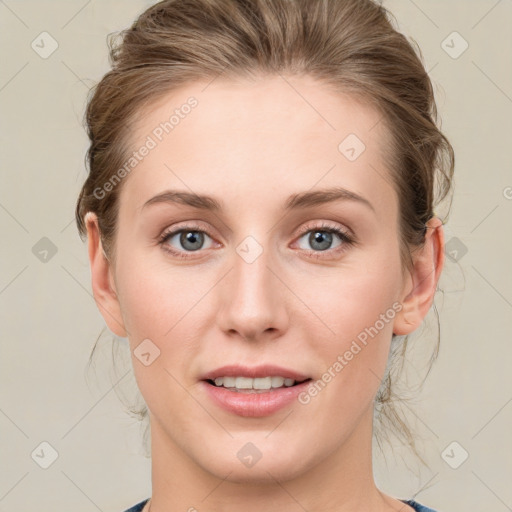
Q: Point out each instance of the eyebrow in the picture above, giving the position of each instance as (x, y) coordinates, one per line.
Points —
(294, 202)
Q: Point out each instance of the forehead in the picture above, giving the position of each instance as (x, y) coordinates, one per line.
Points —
(280, 133)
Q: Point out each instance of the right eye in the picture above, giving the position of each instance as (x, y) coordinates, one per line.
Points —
(185, 240)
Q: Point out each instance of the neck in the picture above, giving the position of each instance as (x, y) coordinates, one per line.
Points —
(341, 482)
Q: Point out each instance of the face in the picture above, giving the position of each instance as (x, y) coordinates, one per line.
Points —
(266, 272)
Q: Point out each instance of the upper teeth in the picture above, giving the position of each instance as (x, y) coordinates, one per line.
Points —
(258, 383)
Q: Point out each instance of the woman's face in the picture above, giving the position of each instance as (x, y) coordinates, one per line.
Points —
(261, 279)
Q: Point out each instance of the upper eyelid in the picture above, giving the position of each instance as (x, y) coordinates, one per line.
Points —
(199, 226)
(187, 226)
(324, 226)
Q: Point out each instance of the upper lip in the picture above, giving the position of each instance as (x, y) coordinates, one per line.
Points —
(264, 370)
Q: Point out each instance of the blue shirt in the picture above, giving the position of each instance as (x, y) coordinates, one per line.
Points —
(414, 504)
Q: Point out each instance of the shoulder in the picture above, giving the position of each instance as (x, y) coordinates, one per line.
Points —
(138, 507)
(418, 507)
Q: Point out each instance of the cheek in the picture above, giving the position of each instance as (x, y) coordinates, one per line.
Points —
(358, 308)
(154, 296)
(354, 311)
(160, 305)
(167, 306)
(349, 299)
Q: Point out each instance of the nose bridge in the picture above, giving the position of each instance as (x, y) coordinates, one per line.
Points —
(252, 301)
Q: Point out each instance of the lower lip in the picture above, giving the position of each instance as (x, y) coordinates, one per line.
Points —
(254, 404)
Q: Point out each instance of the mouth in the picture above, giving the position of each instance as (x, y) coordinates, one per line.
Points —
(248, 385)
(253, 391)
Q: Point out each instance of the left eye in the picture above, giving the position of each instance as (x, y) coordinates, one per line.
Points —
(322, 239)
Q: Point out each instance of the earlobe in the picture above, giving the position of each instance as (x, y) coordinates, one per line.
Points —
(420, 288)
(103, 285)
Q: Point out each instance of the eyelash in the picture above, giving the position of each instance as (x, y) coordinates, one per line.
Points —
(346, 239)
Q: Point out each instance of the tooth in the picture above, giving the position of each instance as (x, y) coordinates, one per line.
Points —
(277, 382)
(258, 383)
(262, 383)
(229, 382)
(243, 383)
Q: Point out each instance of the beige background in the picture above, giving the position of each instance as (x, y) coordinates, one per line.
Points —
(49, 320)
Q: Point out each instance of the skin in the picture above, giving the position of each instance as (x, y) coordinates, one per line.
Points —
(251, 145)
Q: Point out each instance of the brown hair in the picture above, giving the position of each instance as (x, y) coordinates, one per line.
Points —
(350, 45)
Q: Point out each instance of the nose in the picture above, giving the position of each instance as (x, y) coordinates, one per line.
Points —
(252, 299)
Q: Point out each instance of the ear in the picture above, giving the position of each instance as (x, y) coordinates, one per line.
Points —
(103, 286)
(420, 287)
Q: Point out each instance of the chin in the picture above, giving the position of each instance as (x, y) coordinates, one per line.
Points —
(249, 464)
